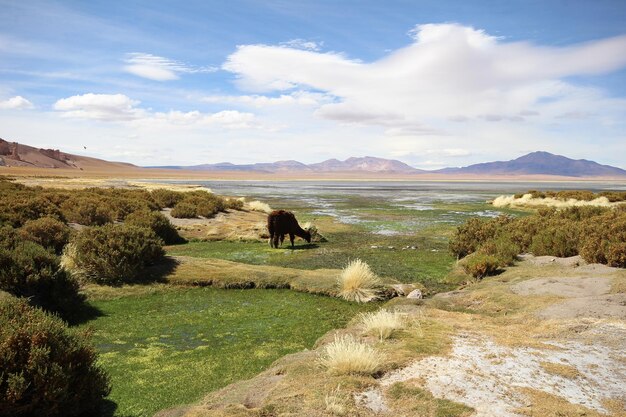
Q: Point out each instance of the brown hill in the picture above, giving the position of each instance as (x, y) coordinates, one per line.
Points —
(13, 154)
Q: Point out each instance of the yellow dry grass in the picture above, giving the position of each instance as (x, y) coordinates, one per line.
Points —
(358, 282)
(383, 323)
(258, 206)
(346, 356)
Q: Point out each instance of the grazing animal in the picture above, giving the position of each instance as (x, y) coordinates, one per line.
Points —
(281, 223)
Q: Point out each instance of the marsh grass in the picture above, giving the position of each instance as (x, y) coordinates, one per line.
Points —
(172, 345)
(336, 402)
(358, 283)
(382, 323)
(347, 356)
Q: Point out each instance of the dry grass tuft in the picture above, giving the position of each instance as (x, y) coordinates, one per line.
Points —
(527, 200)
(336, 402)
(383, 323)
(347, 356)
(258, 206)
(358, 283)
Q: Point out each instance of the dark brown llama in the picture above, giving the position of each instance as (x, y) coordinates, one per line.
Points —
(281, 223)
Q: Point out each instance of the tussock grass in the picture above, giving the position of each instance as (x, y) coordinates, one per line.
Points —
(258, 206)
(348, 356)
(336, 402)
(358, 283)
(527, 200)
(383, 323)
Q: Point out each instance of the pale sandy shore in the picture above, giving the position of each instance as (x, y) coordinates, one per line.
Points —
(71, 178)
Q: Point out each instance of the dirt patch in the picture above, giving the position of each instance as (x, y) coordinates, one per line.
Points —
(231, 225)
(572, 261)
(488, 377)
(604, 306)
(569, 287)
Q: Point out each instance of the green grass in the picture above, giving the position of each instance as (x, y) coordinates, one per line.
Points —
(173, 346)
(427, 230)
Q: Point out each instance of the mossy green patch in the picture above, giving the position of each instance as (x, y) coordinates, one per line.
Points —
(171, 347)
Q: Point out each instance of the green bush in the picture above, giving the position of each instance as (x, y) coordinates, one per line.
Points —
(558, 239)
(503, 248)
(166, 198)
(234, 204)
(29, 270)
(88, 210)
(124, 206)
(113, 254)
(46, 231)
(156, 222)
(47, 369)
(480, 265)
(474, 232)
(184, 210)
(19, 209)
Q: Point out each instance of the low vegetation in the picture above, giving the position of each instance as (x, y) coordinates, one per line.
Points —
(115, 254)
(48, 369)
(170, 345)
(358, 283)
(348, 356)
(382, 323)
(596, 233)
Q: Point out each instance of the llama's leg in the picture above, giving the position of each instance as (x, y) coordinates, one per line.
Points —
(271, 240)
(276, 238)
(291, 237)
(282, 239)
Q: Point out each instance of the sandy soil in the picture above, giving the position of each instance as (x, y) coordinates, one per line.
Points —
(231, 225)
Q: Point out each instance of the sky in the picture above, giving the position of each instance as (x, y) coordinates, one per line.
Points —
(433, 83)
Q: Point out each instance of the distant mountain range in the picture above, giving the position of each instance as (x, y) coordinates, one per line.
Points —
(540, 163)
(534, 163)
(366, 164)
(13, 154)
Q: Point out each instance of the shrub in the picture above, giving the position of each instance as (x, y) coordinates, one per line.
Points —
(28, 270)
(184, 211)
(558, 239)
(19, 209)
(113, 254)
(616, 254)
(382, 323)
(503, 248)
(88, 211)
(156, 222)
(347, 356)
(234, 204)
(46, 231)
(123, 206)
(47, 368)
(358, 283)
(474, 232)
(480, 265)
(166, 198)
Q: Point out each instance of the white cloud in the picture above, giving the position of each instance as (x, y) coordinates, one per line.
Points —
(303, 44)
(300, 98)
(120, 108)
(16, 103)
(158, 68)
(449, 72)
(107, 107)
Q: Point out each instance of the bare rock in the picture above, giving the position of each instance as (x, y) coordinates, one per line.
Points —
(416, 294)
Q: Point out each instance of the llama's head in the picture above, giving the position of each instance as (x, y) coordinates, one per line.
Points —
(307, 236)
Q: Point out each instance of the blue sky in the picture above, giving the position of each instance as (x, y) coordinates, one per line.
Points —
(432, 83)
